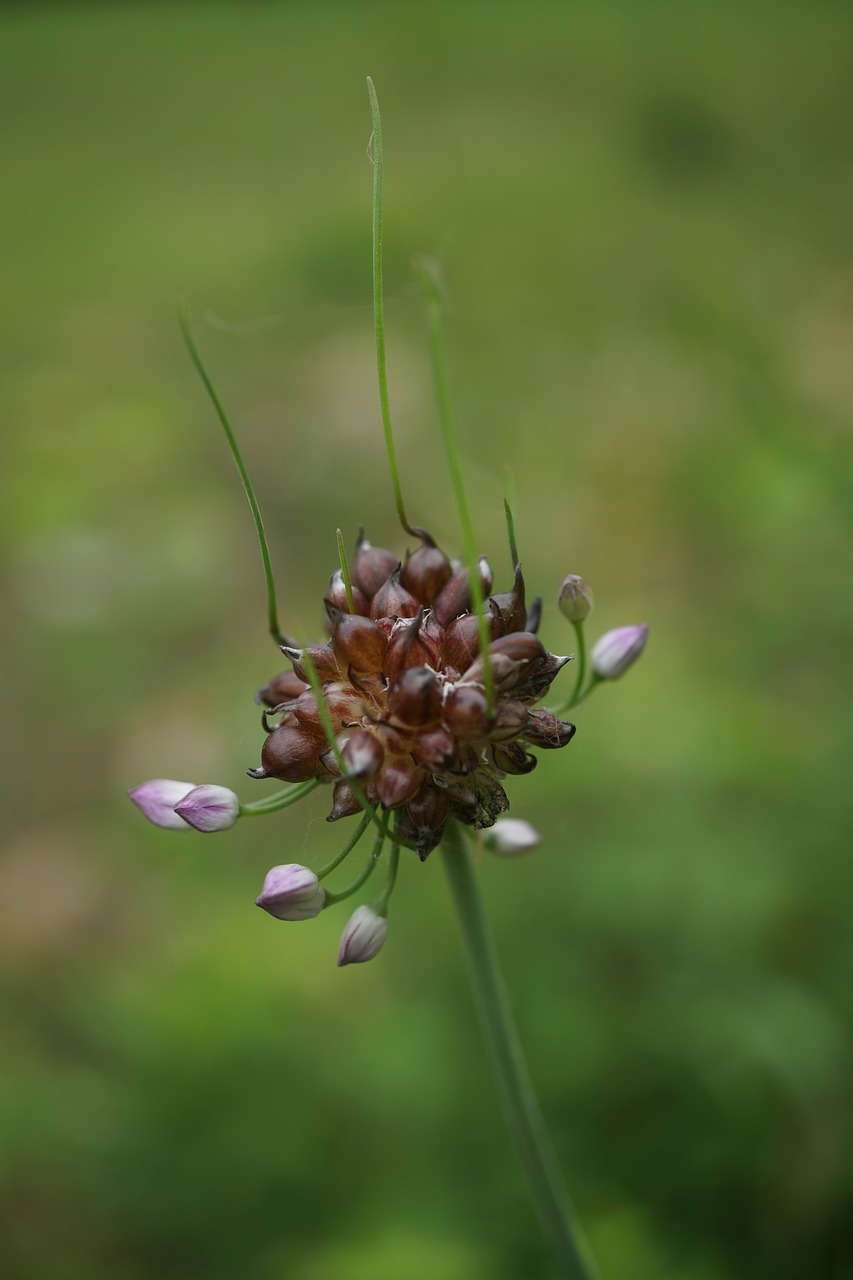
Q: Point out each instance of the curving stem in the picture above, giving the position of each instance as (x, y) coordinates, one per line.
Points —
(520, 1104)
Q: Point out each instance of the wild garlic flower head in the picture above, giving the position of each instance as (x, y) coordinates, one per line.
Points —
(404, 687)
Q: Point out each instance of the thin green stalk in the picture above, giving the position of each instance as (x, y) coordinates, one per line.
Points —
(380, 906)
(342, 556)
(376, 853)
(451, 447)
(379, 310)
(521, 1107)
(581, 639)
(281, 799)
(577, 697)
(349, 846)
(510, 530)
(185, 323)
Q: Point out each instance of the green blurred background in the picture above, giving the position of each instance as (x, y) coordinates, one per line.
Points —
(643, 217)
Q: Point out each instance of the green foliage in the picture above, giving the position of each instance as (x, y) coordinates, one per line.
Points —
(642, 214)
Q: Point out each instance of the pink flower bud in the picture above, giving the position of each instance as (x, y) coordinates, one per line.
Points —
(615, 651)
(291, 892)
(157, 800)
(510, 836)
(363, 936)
(209, 808)
(575, 598)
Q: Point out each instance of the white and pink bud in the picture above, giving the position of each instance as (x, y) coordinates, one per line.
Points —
(209, 808)
(157, 800)
(511, 836)
(575, 598)
(617, 650)
(363, 936)
(292, 892)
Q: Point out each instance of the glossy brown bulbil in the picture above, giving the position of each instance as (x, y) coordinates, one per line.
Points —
(404, 685)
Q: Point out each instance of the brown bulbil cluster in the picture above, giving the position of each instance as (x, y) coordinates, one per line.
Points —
(403, 682)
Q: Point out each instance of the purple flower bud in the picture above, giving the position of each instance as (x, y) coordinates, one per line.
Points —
(615, 651)
(291, 892)
(157, 800)
(510, 836)
(209, 808)
(363, 936)
(575, 598)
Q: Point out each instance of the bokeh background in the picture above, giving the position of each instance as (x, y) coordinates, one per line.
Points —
(642, 213)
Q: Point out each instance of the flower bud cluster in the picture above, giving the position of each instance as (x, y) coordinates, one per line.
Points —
(406, 688)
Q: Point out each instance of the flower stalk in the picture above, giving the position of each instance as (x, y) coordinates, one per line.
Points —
(509, 1066)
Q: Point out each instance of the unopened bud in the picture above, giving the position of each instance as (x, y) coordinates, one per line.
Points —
(291, 892)
(157, 800)
(510, 836)
(363, 936)
(575, 598)
(209, 808)
(617, 650)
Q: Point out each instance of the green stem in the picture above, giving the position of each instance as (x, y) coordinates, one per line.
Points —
(342, 556)
(581, 639)
(186, 329)
(510, 530)
(281, 799)
(521, 1107)
(380, 906)
(379, 309)
(333, 898)
(427, 274)
(348, 847)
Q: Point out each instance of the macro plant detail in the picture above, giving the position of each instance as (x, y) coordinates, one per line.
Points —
(423, 701)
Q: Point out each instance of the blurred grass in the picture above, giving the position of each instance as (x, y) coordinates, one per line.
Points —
(642, 214)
